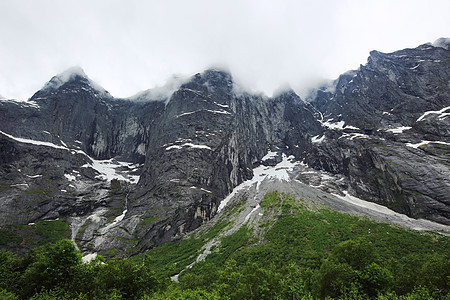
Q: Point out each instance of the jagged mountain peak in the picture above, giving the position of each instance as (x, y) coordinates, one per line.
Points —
(212, 78)
(422, 53)
(209, 78)
(286, 92)
(73, 75)
(70, 74)
(216, 74)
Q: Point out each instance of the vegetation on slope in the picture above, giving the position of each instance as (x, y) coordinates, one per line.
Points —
(303, 253)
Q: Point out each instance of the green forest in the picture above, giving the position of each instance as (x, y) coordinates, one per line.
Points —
(298, 253)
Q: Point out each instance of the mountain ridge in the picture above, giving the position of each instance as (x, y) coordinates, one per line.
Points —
(381, 131)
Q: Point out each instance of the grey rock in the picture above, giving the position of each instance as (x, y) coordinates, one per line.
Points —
(194, 145)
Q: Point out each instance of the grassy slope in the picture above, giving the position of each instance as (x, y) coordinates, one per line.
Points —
(294, 234)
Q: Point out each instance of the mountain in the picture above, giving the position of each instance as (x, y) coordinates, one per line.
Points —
(128, 174)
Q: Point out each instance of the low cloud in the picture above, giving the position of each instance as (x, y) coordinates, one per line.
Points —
(131, 46)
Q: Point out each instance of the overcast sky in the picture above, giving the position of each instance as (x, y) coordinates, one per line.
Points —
(129, 46)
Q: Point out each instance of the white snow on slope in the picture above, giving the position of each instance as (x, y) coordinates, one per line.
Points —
(398, 129)
(22, 103)
(89, 257)
(280, 171)
(190, 145)
(440, 112)
(34, 176)
(317, 140)
(422, 143)
(204, 110)
(392, 216)
(106, 168)
(269, 155)
(336, 125)
(218, 111)
(261, 173)
(33, 142)
(354, 135)
(369, 205)
(70, 177)
(221, 105)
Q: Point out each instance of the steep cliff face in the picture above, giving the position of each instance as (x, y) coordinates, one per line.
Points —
(208, 140)
(391, 130)
(382, 130)
(77, 113)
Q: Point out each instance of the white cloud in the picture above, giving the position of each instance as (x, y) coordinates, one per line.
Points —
(130, 46)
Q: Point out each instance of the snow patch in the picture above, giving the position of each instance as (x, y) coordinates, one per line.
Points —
(89, 257)
(394, 217)
(221, 105)
(280, 171)
(107, 169)
(354, 135)
(218, 111)
(369, 205)
(317, 140)
(24, 185)
(205, 190)
(29, 103)
(336, 125)
(269, 155)
(422, 143)
(398, 129)
(120, 218)
(190, 145)
(33, 142)
(34, 176)
(204, 110)
(70, 177)
(440, 112)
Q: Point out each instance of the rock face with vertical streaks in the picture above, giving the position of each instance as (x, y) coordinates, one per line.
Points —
(129, 174)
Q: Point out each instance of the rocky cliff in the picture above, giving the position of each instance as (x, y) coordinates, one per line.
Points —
(128, 174)
(391, 130)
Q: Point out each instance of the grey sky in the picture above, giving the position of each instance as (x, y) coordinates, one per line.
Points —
(129, 46)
